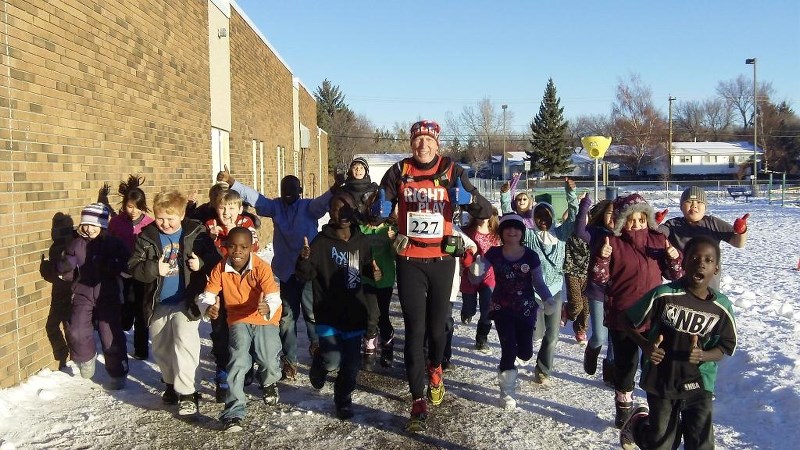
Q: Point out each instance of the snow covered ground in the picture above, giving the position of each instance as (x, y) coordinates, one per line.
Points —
(758, 390)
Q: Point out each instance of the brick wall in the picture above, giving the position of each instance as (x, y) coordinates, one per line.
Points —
(261, 109)
(90, 93)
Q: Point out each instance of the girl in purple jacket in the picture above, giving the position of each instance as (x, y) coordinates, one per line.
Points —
(126, 226)
(629, 264)
(93, 262)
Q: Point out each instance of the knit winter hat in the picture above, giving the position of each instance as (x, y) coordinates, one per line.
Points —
(428, 127)
(625, 206)
(694, 193)
(510, 220)
(361, 161)
(95, 214)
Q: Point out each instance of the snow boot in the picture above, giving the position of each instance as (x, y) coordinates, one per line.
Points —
(419, 416)
(629, 430)
(87, 368)
(482, 343)
(507, 381)
(590, 355)
(271, 396)
(623, 402)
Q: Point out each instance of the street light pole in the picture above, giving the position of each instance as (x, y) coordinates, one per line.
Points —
(505, 161)
(755, 124)
(669, 146)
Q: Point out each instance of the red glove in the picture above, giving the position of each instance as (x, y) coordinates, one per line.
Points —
(740, 224)
(467, 259)
(661, 215)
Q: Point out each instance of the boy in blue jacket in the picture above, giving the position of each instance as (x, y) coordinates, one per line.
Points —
(294, 219)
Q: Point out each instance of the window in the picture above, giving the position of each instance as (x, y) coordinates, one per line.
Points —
(706, 159)
(220, 154)
(685, 159)
(731, 162)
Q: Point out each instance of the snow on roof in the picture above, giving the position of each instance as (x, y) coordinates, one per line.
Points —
(713, 148)
(382, 158)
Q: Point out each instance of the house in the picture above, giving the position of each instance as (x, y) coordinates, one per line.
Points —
(583, 165)
(713, 158)
(379, 163)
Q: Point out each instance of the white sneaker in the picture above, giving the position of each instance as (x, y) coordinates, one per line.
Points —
(188, 404)
(87, 368)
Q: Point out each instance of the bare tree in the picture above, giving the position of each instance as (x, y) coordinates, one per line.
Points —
(638, 125)
(738, 93)
(353, 134)
(717, 118)
(688, 121)
(478, 130)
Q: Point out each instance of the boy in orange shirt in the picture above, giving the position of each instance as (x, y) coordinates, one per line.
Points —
(252, 299)
(229, 214)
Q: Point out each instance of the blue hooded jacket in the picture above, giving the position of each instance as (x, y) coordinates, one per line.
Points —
(552, 252)
(291, 223)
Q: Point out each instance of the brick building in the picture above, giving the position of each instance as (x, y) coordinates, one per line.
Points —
(93, 91)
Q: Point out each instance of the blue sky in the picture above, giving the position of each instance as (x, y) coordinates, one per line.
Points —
(398, 62)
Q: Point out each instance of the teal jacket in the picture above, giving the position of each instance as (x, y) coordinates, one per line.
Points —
(551, 253)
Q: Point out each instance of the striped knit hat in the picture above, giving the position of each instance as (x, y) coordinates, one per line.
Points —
(428, 127)
(95, 214)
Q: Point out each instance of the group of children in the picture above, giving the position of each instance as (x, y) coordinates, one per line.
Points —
(161, 274)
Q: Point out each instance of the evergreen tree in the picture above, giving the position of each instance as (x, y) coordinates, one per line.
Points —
(550, 147)
(330, 100)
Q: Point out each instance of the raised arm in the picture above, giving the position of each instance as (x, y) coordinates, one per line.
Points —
(580, 221)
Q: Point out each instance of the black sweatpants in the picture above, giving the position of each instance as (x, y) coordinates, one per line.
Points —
(626, 360)
(378, 304)
(424, 288)
(669, 419)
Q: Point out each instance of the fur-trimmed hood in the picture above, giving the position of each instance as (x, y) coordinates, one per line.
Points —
(625, 206)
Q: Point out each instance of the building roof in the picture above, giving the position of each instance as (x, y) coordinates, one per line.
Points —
(713, 148)
(382, 158)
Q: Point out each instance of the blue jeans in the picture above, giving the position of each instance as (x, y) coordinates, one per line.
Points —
(344, 354)
(547, 328)
(469, 304)
(293, 297)
(599, 335)
(266, 340)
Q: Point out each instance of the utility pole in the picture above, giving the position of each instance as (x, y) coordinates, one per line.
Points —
(505, 161)
(755, 125)
(669, 145)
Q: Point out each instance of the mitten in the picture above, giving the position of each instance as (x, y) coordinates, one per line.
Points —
(660, 215)
(740, 224)
(467, 259)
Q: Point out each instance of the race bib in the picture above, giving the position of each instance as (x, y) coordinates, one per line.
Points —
(424, 225)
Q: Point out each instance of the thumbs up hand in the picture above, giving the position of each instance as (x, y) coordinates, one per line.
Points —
(654, 352)
(740, 224)
(672, 252)
(163, 266)
(193, 262)
(213, 311)
(263, 307)
(305, 253)
(377, 274)
(695, 353)
(225, 175)
(605, 250)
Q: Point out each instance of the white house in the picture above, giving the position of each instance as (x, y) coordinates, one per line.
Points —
(712, 158)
